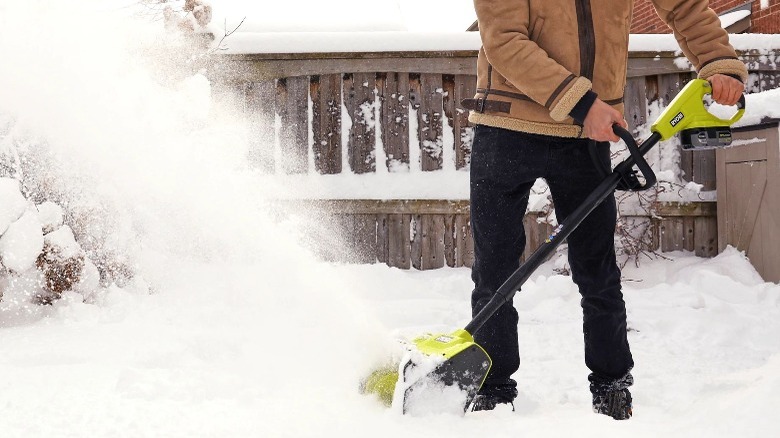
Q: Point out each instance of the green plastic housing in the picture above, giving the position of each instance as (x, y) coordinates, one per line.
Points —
(687, 111)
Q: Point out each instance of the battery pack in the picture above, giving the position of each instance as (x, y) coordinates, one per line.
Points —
(705, 138)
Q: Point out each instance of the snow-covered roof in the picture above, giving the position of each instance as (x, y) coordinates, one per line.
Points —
(346, 42)
(667, 43)
(345, 15)
(730, 18)
(404, 41)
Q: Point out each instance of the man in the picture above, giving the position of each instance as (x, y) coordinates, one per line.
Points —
(550, 79)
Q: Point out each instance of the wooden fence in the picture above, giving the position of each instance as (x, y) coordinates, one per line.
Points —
(352, 112)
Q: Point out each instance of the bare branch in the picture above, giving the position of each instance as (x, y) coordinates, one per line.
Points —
(227, 34)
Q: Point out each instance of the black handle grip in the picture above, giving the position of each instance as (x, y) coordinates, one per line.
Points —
(639, 159)
(741, 104)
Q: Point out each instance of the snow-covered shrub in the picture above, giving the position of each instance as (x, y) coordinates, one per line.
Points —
(61, 261)
(36, 238)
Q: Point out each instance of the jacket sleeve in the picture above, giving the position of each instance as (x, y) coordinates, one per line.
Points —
(701, 37)
(504, 29)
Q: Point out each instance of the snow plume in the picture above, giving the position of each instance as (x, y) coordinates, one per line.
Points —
(97, 124)
(159, 172)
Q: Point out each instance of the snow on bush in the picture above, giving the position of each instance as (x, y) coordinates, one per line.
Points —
(13, 203)
(22, 242)
(36, 239)
(61, 261)
(51, 216)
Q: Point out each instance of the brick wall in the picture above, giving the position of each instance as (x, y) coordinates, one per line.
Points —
(767, 20)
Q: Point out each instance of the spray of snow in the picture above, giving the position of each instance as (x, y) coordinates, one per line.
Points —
(236, 301)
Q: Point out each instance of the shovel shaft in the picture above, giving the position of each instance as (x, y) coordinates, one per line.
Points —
(512, 285)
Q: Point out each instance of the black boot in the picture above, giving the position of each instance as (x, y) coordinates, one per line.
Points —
(611, 396)
(616, 404)
(488, 402)
(494, 394)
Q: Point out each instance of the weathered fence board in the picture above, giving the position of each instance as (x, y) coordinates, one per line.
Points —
(394, 98)
(382, 249)
(465, 86)
(688, 233)
(702, 165)
(433, 242)
(292, 97)
(429, 121)
(635, 102)
(399, 247)
(359, 101)
(464, 241)
(326, 123)
(705, 238)
(672, 234)
(450, 240)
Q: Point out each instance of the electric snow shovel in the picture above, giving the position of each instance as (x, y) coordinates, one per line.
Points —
(439, 363)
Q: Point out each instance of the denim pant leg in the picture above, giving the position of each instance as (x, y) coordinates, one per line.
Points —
(593, 263)
(504, 166)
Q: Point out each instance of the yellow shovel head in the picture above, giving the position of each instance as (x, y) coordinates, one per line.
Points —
(440, 369)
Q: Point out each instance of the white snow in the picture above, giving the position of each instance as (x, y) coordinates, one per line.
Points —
(344, 15)
(231, 328)
(50, 215)
(335, 42)
(12, 201)
(758, 106)
(730, 18)
(667, 42)
(22, 242)
(392, 41)
(63, 242)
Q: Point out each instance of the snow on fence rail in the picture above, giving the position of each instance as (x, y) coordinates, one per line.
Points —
(395, 112)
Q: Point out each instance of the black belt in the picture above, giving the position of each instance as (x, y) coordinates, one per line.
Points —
(481, 105)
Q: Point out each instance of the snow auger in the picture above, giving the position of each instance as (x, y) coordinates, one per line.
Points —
(441, 362)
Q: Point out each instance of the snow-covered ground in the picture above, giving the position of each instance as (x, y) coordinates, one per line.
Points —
(277, 348)
(233, 329)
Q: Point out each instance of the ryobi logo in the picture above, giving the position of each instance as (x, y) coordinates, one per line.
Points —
(677, 118)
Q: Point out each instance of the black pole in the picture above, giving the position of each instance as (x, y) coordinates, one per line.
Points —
(507, 290)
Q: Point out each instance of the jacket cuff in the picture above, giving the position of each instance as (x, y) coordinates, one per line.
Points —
(726, 66)
(568, 100)
(580, 111)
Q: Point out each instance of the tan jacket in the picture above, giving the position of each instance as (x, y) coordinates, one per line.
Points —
(540, 57)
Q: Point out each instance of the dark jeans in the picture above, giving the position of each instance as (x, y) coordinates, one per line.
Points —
(504, 166)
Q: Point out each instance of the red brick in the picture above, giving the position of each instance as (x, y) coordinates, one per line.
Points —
(767, 20)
